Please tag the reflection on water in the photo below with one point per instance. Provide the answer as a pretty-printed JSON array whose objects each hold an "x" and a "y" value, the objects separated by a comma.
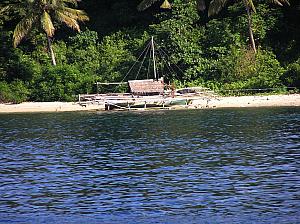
[{"x": 210, "y": 166}]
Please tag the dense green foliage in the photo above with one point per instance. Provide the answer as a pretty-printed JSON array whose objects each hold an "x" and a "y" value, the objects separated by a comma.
[{"x": 208, "y": 51}]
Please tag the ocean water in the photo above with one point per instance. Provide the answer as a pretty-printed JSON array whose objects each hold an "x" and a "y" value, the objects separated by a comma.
[{"x": 187, "y": 166}]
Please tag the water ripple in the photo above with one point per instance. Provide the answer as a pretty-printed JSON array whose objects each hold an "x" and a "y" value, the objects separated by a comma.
[{"x": 215, "y": 166}]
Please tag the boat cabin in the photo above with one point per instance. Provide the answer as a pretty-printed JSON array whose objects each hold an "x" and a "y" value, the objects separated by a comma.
[{"x": 146, "y": 87}]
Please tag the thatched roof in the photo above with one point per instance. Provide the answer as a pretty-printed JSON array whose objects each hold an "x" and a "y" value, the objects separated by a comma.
[{"x": 146, "y": 86}]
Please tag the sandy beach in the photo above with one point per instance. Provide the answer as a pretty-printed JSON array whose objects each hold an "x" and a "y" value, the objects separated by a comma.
[
  {"x": 200, "y": 103},
  {"x": 248, "y": 101},
  {"x": 47, "y": 107}
]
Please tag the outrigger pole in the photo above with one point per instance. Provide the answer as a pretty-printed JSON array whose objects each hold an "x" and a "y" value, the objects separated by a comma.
[{"x": 153, "y": 55}]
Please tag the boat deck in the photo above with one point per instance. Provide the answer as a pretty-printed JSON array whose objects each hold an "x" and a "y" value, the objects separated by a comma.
[{"x": 127, "y": 101}]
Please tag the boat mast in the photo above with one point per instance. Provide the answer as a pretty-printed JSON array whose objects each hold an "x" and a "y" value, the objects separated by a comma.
[{"x": 153, "y": 55}]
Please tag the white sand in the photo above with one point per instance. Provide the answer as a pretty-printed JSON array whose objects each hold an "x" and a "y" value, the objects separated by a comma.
[
  {"x": 217, "y": 102},
  {"x": 47, "y": 107},
  {"x": 248, "y": 101}
]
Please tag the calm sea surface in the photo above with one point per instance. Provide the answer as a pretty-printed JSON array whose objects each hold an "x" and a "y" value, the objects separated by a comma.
[{"x": 199, "y": 166}]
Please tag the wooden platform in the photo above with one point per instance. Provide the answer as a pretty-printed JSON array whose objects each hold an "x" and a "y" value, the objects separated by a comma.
[{"x": 128, "y": 101}]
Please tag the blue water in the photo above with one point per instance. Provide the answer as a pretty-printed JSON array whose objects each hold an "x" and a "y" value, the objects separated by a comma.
[{"x": 194, "y": 166}]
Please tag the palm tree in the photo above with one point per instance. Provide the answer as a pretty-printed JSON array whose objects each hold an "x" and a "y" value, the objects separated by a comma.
[
  {"x": 216, "y": 6},
  {"x": 41, "y": 14}
]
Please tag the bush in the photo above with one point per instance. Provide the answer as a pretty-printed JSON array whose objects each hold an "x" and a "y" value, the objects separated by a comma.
[
  {"x": 291, "y": 77},
  {"x": 242, "y": 69},
  {"x": 82, "y": 51},
  {"x": 5, "y": 93},
  {"x": 15, "y": 92},
  {"x": 115, "y": 58},
  {"x": 61, "y": 83}
]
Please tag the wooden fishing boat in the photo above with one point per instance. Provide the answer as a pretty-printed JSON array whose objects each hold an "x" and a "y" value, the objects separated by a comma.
[{"x": 144, "y": 93}]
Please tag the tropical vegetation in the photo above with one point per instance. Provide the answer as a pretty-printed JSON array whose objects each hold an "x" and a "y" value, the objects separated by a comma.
[{"x": 225, "y": 45}]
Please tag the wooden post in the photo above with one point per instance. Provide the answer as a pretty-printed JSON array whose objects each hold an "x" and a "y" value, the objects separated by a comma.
[
  {"x": 106, "y": 106},
  {"x": 173, "y": 89},
  {"x": 51, "y": 50},
  {"x": 153, "y": 55}
]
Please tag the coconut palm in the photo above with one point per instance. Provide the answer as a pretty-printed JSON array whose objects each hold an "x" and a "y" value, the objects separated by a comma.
[
  {"x": 41, "y": 14},
  {"x": 216, "y": 6}
]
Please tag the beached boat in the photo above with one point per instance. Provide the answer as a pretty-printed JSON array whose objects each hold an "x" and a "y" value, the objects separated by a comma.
[{"x": 144, "y": 93}]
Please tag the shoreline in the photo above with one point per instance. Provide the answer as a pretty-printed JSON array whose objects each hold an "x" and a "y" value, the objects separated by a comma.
[
  {"x": 290, "y": 100},
  {"x": 36, "y": 107}
]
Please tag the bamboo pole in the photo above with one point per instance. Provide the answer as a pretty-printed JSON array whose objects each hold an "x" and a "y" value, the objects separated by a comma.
[{"x": 153, "y": 55}]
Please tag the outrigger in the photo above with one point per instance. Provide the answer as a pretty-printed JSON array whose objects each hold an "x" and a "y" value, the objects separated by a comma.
[{"x": 145, "y": 93}]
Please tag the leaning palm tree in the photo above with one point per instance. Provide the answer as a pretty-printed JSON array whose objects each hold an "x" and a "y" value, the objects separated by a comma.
[
  {"x": 41, "y": 14},
  {"x": 216, "y": 6}
]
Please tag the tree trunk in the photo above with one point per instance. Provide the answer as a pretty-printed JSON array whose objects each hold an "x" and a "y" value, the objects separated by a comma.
[
  {"x": 51, "y": 50},
  {"x": 250, "y": 27},
  {"x": 201, "y": 5}
]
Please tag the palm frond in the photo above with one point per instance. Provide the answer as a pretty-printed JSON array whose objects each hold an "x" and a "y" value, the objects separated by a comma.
[
  {"x": 47, "y": 24},
  {"x": 75, "y": 14},
  {"x": 145, "y": 4},
  {"x": 23, "y": 28},
  {"x": 10, "y": 8},
  {"x": 70, "y": 22},
  {"x": 280, "y": 2},
  {"x": 5, "y": 9},
  {"x": 42, "y": 12},
  {"x": 215, "y": 6},
  {"x": 72, "y": 2}
]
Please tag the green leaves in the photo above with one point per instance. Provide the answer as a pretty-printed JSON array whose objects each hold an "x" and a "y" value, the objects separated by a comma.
[
  {"x": 61, "y": 83},
  {"x": 83, "y": 51},
  {"x": 212, "y": 52},
  {"x": 291, "y": 77},
  {"x": 41, "y": 14},
  {"x": 14, "y": 92}
]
